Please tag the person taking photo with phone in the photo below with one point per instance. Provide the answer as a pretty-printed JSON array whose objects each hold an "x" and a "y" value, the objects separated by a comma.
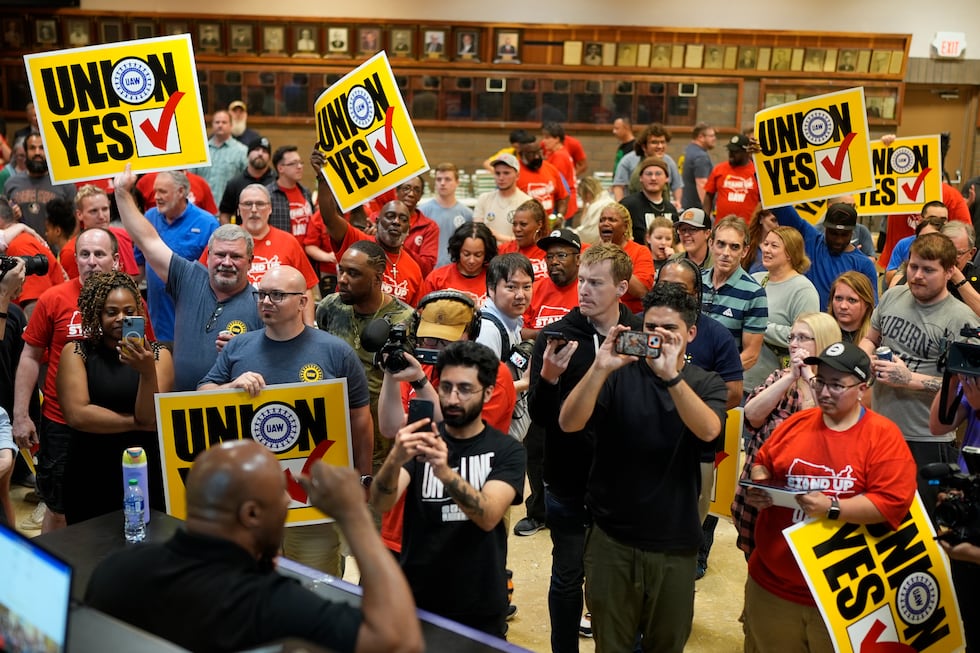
[{"x": 106, "y": 383}]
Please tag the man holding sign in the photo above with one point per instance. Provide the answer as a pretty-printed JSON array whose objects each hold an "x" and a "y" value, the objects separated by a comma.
[{"x": 855, "y": 467}]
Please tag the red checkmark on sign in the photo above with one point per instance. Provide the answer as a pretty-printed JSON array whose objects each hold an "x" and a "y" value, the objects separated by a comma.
[
  {"x": 386, "y": 146},
  {"x": 295, "y": 490},
  {"x": 870, "y": 643},
  {"x": 912, "y": 191},
  {"x": 835, "y": 168},
  {"x": 158, "y": 134}
]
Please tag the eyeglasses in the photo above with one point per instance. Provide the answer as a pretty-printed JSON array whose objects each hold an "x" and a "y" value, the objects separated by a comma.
[
  {"x": 819, "y": 384},
  {"x": 558, "y": 256},
  {"x": 292, "y": 163},
  {"x": 275, "y": 296},
  {"x": 406, "y": 189},
  {"x": 253, "y": 205},
  {"x": 961, "y": 252},
  {"x": 799, "y": 337},
  {"x": 214, "y": 318},
  {"x": 464, "y": 390}
]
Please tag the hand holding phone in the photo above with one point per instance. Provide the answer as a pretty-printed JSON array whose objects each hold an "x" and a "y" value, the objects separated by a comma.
[
  {"x": 638, "y": 343},
  {"x": 421, "y": 409},
  {"x": 134, "y": 329}
]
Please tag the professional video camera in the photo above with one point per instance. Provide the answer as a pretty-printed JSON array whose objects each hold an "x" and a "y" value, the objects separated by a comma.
[
  {"x": 389, "y": 343},
  {"x": 964, "y": 357},
  {"x": 33, "y": 265},
  {"x": 957, "y": 517}
]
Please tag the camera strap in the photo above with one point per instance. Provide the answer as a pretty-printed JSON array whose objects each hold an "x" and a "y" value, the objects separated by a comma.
[{"x": 948, "y": 414}]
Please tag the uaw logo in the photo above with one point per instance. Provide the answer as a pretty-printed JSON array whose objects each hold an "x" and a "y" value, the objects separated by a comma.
[
  {"x": 275, "y": 426},
  {"x": 236, "y": 327},
  {"x": 310, "y": 373}
]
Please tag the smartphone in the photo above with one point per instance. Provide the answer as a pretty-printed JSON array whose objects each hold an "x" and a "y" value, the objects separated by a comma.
[
  {"x": 134, "y": 328},
  {"x": 558, "y": 336},
  {"x": 419, "y": 409},
  {"x": 638, "y": 343}
]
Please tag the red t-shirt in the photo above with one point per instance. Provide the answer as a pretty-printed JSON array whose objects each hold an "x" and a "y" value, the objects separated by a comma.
[
  {"x": 497, "y": 412},
  {"x": 126, "y": 259},
  {"x": 549, "y": 303},
  {"x": 543, "y": 185},
  {"x": 902, "y": 225},
  {"x": 300, "y": 211},
  {"x": 423, "y": 242},
  {"x": 55, "y": 321},
  {"x": 564, "y": 164},
  {"x": 870, "y": 458},
  {"x": 534, "y": 254},
  {"x": 200, "y": 195},
  {"x": 317, "y": 235},
  {"x": 735, "y": 188},
  {"x": 575, "y": 149},
  {"x": 276, "y": 249},
  {"x": 448, "y": 277},
  {"x": 643, "y": 269},
  {"x": 34, "y": 285},
  {"x": 402, "y": 276}
]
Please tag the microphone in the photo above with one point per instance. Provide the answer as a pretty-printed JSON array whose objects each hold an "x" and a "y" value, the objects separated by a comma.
[{"x": 375, "y": 334}]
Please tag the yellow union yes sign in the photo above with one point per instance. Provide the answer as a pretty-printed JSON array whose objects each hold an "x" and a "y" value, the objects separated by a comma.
[
  {"x": 298, "y": 422},
  {"x": 366, "y": 134},
  {"x": 726, "y": 465},
  {"x": 874, "y": 585},
  {"x": 908, "y": 173},
  {"x": 103, "y": 106},
  {"x": 813, "y": 149}
]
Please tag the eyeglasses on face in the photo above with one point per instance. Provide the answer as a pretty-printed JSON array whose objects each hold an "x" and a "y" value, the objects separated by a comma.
[
  {"x": 819, "y": 384},
  {"x": 253, "y": 205},
  {"x": 800, "y": 338},
  {"x": 464, "y": 390},
  {"x": 275, "y": 296}
]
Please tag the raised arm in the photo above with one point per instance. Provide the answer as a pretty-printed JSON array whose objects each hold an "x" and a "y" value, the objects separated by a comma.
[
  {"x": 335, "y": 223},
  {"x": 157, "y": 253},
  {"x": 390, "y": 622}
]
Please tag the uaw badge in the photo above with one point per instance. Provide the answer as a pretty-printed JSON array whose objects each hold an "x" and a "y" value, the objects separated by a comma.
[{"x": 275, "y": 426}]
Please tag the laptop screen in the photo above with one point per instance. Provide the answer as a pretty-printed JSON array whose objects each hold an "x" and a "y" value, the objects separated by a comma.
[{"x": 34, "y": 596}]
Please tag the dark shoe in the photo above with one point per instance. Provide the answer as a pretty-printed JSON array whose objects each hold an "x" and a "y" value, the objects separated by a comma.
[
  {"x": 702, "y": 570},
  {"x": 585, "y": 626},
  {"x": 528, "y": 526},
  {"x": 32, "y": 497},
  {"x": 511, "y": 611}
]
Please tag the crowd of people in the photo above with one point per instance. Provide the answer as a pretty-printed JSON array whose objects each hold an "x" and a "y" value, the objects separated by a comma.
[{"x": 512, "y": 385}]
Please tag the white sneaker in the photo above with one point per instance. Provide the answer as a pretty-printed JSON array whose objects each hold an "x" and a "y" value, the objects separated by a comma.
[{"x": 33, "y": 521}]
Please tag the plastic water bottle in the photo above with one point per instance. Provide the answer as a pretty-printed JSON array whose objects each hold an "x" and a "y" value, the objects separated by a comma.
[
  {"x": 134, "y": 466},
  {"x": 134, "y": 509}
]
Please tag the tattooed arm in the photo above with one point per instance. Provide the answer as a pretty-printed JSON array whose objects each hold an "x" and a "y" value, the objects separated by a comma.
[{"x": 896, "y": 373}]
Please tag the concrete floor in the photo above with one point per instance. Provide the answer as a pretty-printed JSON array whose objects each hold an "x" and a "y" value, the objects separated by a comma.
[{"x": 718, "y": 601}]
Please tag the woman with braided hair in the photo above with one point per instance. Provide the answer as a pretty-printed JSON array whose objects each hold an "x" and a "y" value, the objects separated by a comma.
[{"x": 106, "y": 386}]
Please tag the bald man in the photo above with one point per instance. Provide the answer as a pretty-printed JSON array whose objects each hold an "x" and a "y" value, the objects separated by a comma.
[
  {"x": 236, "y": 509},
  {"x": 288, "y": 351}
]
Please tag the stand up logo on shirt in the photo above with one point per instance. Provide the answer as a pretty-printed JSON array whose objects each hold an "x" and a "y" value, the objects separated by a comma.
[
  {"x": 276, "y": 427},
  {"x": 366, "y": 134},
  {"x": 813, "y": 149},
  {"x": 103, "y": 106}
]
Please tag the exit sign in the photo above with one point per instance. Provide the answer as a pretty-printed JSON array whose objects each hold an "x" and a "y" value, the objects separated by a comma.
[{"x": 949, "y": 44}]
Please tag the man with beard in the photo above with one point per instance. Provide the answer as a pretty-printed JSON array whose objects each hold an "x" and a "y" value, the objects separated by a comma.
[
  {"x": 239, "y": 124},
  {"x": 185, "y": 229},
  {"x": 236, "y": 507},
  {"x": 916, "y": 321},
  {"x": 258, "y": 171},
  {"x": 422, "y": 243},
  {"x": 542, "y": 181},
  {"x": 733, "y": 184},
  {"x": 652, "y": 141},
  {"x": 402, "y": 277},
  {"x": 652, "y": 200},
  {"x": 459, "y": 478},
  {"x": 557, "y": 365},
  {"x": 358, "y": 301},
  {"x": 32, "y": 190},
  {"x": 831, "y": 253},
  {"x": 213, "y": 303},
  {"x": 228, "y": 156},
  {"x": 273, "y": 247}
]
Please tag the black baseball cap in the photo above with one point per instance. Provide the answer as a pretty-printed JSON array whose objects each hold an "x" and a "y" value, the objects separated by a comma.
[
  {"x": 262, "y": 142},
  {"x": 841, "y": 217},
  {"x": 561, "y": 237},
  {"x": 844, "y": 357}
]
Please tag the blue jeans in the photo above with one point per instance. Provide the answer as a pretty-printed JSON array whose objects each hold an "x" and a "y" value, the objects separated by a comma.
[{"x": 567, "y": 520}]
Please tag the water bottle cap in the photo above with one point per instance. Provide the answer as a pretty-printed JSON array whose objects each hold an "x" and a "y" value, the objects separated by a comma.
[{"x": 134, "y": 481}]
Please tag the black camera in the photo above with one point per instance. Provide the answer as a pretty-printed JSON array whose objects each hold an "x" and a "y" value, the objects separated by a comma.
[
  {"x": 391, "y": 356},
  {"x": 33, "y": 265},
  {"x": 957, "y": 516},
  {"x": 964, "y": 357}
]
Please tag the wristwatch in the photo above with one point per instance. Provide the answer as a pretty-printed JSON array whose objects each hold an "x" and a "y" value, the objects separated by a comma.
[
  {"x": 418, "y": 384},
  {"x": 366, "y": 481},
  {"x": 834, "y": 511}
]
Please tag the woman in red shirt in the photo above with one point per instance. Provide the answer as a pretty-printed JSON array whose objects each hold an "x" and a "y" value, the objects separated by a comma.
[
  {"x": 529, "y": 226},
  {"x": 471, "y": 247}
]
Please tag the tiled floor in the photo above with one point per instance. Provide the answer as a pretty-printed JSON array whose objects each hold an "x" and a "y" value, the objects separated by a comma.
[{"x": 718, "y": 601}]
